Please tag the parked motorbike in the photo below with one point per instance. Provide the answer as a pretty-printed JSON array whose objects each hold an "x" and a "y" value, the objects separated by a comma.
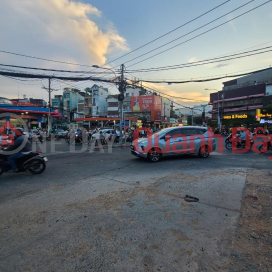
[
  {"x": 32, "y": 162},
  {"x": 240, "y": 144}
]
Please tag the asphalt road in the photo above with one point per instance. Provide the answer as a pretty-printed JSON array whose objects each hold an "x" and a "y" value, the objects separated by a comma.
[{"x": 115, "y": 212}]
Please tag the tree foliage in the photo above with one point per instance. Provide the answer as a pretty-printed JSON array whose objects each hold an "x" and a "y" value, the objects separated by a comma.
[{"x": 197, "y": 120}]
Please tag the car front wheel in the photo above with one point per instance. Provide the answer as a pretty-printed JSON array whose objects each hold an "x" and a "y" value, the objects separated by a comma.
[
  {"x": 154, "y": 156},
  {"x": 203, "y": 153}
]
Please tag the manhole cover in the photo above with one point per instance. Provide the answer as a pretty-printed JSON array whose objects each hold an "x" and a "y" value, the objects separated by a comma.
[{"x": 189, "y": 198}]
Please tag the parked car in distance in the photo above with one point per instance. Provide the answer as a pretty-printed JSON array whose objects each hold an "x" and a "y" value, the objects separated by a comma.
[
  {"x": 178, "y": 145},
  {"x": 61, "y": 132}
]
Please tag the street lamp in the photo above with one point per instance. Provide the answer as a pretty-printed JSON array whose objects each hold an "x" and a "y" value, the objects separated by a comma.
[
  {"x": 218, "y": 117},
  {"x": 96, "y": 66}
]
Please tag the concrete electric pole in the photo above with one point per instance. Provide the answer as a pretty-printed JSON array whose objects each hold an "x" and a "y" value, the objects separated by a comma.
[
  {"x": 49, "y": 104},
  {"x": 121, "y": 96}
]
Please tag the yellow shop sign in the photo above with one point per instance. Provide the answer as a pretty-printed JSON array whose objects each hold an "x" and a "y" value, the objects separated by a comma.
[{"x": 235, "y": 116}]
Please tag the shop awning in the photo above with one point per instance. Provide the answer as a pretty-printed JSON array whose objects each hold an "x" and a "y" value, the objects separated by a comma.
[{"x": 94, "y": 119}]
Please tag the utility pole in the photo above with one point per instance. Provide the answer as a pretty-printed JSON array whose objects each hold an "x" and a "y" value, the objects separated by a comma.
[
  {"x": 164, "y": 114},
  {"x": 121, "y": 96},
  {"x": 222, "y": 111},
  {"x": 192, "y": 116},
  {"x": 219, "y": 121},
  {"x": 49, "y": 104},
  {"x": 49, "y": 114}
]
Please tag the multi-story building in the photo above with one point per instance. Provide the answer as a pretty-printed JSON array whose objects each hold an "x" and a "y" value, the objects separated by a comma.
[
  {"x": 132, "y": 91},
  {"x": 165, "y": 110},
  {"x": 113, "y": 106},
  {"x": 244, "y": 101},
  {"x": 88, "y": 105},
  {"x": 70, "y": 103},
  {"x": 57, "y": 103},
  {"x": 99, "y": 101}
]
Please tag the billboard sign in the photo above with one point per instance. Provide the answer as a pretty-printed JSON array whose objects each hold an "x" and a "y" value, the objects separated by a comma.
[{"x": 147, "y": 103}]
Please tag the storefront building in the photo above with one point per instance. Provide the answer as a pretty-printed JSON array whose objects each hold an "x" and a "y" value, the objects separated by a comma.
[
  {"x": 33, "y": 116},
  {"x": 245, "y": 104}
]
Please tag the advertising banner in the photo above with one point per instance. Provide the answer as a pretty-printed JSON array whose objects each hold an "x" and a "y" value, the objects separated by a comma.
[{"x": 147, "y": 103}]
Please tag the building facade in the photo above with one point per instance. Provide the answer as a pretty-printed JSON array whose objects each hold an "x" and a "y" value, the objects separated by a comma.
[
  {"x": 70, "y": 103},
  {"x": 34, "y": 116},
  {"x": 113, "y": 106},
  {"x": 99, "y": 101},
  {"x": 244, "y": 101}
]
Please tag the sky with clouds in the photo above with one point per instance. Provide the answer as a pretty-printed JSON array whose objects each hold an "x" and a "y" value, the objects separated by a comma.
[{"x": 94, "y": 32}]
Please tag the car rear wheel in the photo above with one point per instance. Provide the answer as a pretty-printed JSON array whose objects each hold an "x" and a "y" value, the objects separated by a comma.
[
  {"x": 154, "y": 156},
  {"x": 203, "y": 153}
]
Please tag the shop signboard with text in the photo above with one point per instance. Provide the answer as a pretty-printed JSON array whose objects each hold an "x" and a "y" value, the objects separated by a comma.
[
  {"x": 235, "y": 116},
  {"x": 264, "y": 114}
]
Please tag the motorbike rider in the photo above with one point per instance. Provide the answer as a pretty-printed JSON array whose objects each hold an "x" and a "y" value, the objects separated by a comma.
[
  {"x": 117, "y": 135},
  {"x": 79, "y": 133},
  {"x": 243, "y": 136},
  {"x": 39, "y": 135},
  {"x": 18, "y": 140}
]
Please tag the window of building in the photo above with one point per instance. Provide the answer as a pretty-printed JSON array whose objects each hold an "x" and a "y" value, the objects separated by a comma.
[{"x": 256, "y": 100}]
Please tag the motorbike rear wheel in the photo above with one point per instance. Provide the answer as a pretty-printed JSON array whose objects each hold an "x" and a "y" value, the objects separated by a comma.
[
  {"x": 36, "y": 166},
  {"x": 229, "y": 145}
]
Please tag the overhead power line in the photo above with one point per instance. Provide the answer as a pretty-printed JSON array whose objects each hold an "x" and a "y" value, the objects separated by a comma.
[
  {"x": 234, "y": 18},
  {"x": 168, "y": 97},
  {"x": 201, "y": 62},
  {"x": 146, "y": 86},
  {"x": 244, "y": 70},
  {"x": 136, "y": 49},
  {"x": 53, "y": 70},
  {"x": 32, "y": 57},
  {"x": 203, "y": 80},
  {"x": 178, "y": 97},
  {"x": 24, "y": 75}
]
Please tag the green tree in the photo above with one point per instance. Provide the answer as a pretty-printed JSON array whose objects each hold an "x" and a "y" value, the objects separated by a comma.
[
  {"x": 269, "y": 106},
  {"x": 197, "y": 120}
]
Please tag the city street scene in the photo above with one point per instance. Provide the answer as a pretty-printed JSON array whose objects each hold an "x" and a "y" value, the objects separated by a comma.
[{"x": 129, "y": 142}]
